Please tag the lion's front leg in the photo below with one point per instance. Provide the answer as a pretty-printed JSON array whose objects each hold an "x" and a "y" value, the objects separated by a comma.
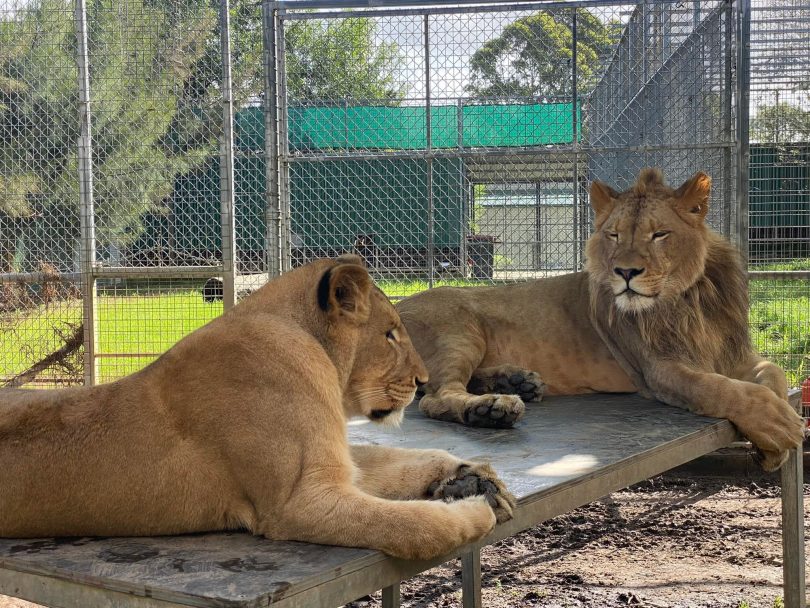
[
  {"x": 453, "y": 403},
  {"x": 768, "y": 420},
  {"x": 406, "y": 474},
  {"x": 764, "y": 372}
]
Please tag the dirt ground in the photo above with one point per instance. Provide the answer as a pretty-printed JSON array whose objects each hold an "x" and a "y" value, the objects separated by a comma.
[{"x": 675, "y": 541}]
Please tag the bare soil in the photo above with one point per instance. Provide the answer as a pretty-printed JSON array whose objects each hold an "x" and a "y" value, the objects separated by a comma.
[{"x": 674, "y": 541}]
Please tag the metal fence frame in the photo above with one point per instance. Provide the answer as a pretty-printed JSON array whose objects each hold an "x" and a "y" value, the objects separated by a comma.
[
  {"x": 277, "y": 212},
  {"x": 90, "y": 270},
  {"x": 279, "y": 12}
]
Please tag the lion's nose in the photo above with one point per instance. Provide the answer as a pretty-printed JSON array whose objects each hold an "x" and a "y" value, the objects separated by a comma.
[{"x": 628, "y": 273}]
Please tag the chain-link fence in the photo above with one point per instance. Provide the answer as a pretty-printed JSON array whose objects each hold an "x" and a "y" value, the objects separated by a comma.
[
  {"x": 159, "y": 159},
  {"x": 460, "y": 142},
  {"x": 779, "y": 217}
]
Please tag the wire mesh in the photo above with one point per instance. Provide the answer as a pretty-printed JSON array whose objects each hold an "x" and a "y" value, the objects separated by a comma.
[
  {"x": 779, "y": 207},
  {"x": 446, "y": 145},
  {"x": 40, "y": 307},
  {"x": 460, "y": 147},
  {"x": 110, "y": 129}
]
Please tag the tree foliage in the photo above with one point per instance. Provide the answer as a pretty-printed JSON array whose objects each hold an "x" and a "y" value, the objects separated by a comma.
[
  {"x": 781, "y": 123},
  {"x": 155, "y": 73},
  {"x": 325, "y": 60},
  {"x": 532, "y": 56},
  {"x": 144, "y": 130},
  {"x": 340, "y": 60}
]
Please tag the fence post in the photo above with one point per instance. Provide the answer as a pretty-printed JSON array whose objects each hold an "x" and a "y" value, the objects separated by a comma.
[
  {"x": 87, "y": 240},
  {"x": 728, "y": 129},
  {"x": 429, "y": 150},
  {"x": 743, "y": 151},
  {"x": 226, "y": 178},
  {"x": 283, "y": 147},
  {"x": 464, "y": 216},
  {"x": 272, "y": 211},
  {"x": 574, "y": 143}
]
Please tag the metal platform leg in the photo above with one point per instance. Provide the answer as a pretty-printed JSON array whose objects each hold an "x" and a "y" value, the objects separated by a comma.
[
  {"x": 390, "y": 596},
  {"x": 471, "y": 579},
  {"x": 793, "y": 531}
]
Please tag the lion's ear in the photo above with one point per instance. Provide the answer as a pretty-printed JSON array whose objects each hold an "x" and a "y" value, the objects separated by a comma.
[
  {"x": 692, "y": 198},
  {"x": 344, "y": 292},
  {"x": 351, "y": 258},
  {"x": 603, "y": 198}
]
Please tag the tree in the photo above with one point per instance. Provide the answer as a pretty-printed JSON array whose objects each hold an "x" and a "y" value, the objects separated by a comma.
[
  {"x": 325, "y": 60},
  {"x": 155, "y": 86},
  {"x": 781, "y": 123},
  {"x": 139, "y": 114},
  {"x": 532, "y": 56},
  {"x": 340, "y": 60}
]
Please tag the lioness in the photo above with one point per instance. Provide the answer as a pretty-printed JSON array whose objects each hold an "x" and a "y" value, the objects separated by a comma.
[
  {"x": 242, "y": 424},
  {"x": 661, "y": 309}
]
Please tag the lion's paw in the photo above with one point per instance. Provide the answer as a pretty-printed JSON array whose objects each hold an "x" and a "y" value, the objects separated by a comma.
[
  {"x": 494, "y": 411},
  {"x": 527, "y": 385},
  {"x": 476, "y": 479},
  {"x": 769, "y": 460},
  {"x": 511, "y": 381},
  {"x": 773, "y": 426}
]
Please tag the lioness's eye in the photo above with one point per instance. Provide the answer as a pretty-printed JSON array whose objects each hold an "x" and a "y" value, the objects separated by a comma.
[
  {"x": 390, "y": 335},
  {"x": 661, "y": 234}
]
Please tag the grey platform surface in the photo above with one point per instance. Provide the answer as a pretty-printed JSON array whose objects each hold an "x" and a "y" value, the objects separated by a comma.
[{"x": 565, "y": 452}]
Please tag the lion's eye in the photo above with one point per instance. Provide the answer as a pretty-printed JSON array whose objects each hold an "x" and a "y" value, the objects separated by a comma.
[
  {"x": 613, "y": 236},
  {"x": 391, "y": 335},
  {"x": 661, "y": 234}
]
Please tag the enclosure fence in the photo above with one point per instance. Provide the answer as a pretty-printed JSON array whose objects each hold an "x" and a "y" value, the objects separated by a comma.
[{"x": 160, "y": 160}]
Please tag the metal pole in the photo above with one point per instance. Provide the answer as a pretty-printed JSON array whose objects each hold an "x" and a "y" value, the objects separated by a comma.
[
  {"x": 743, "y": 152},
  {"x": 471, "y": 579},
  {"x": 391, "y": 596},
  {"x": 793, "y": 574},
  {"x": 284, "y": 148},
  {"x": 464, "y": 222},
  {"x": 272, "y": 211},
  {"x": 574, "y": 142},
  {"x": 87, "y": 213},
  {"x": 728, "y": 132},
  {"x": 644, "y": 122},
  {"x": 226, "y": 179},
  {"x": 429, "y": 161}
]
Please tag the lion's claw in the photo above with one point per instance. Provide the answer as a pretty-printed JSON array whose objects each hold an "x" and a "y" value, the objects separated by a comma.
[{"x": 476, "y": 480}]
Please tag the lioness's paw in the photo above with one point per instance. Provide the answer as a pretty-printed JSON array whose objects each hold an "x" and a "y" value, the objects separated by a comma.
[
  {"x": 476, "y": 479},
  {"x": 494, "y": 411}
]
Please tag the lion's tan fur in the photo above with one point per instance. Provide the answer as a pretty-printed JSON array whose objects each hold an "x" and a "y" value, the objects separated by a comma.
[
  {"x": 242, "y": 424},
  {"x": 676, "y": 329}
]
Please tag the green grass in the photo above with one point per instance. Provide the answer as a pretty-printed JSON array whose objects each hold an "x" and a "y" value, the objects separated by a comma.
[
  {"x": 400, "y": 288},
  {"x": 137, "y": 322},
  {"x": 802, "y": 264},
  {"x": 134, "y": 325},
  {"x": 779, "y": 318}
]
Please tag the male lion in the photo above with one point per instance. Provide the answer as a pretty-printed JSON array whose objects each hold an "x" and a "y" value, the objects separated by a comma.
[
  {"x": 661, "y": 309},
  {"x": 242, "y": 424}
]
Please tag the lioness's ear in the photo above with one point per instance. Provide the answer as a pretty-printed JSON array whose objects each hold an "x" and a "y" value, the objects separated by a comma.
[
  {"x": 692, "y": 197},
  {"x": 603, "y": 197},
  {"x": 343, "y": 293}
]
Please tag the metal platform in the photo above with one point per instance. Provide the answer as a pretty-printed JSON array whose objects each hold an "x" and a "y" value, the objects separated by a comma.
[{"x": 564, "y": 453}]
